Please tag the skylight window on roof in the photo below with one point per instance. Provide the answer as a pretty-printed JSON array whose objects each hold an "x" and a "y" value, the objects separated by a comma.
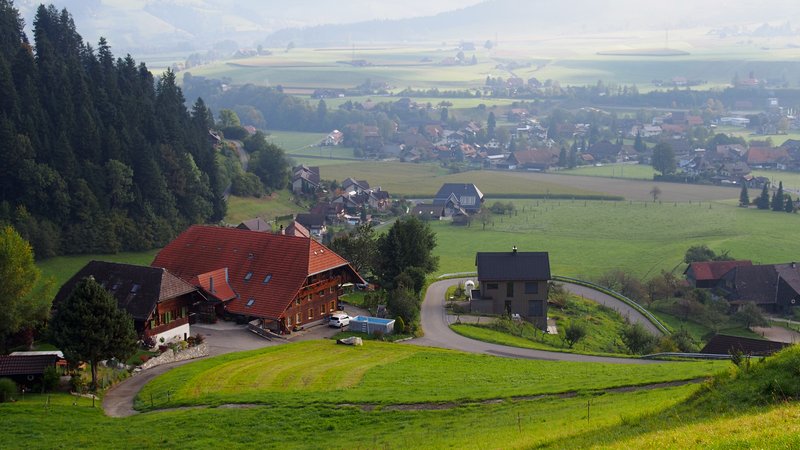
[
  {"x": 250, "y": 302},
  {"x": 135, "y": 288},
  {"x": 248, "y": 276},
  {"x": 267, "y": 278}
]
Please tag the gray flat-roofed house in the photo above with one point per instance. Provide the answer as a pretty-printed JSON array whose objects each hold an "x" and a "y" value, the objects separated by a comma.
[{"x": 513, "y": 283}]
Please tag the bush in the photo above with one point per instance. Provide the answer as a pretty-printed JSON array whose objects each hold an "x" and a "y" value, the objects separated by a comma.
[
  {"x": 199, "y": 339},
  {"x": 50, "y": 379},
  {"x": 638, "y": 340},
  {"x": 8, "y": 390},
  {"x": 76, "y": 383},
  {"x": 399, "y": 325},
  {"x": 573, "y": 333}
]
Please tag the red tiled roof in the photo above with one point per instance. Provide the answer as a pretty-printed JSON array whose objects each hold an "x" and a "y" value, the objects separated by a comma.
[
  {"x": 714, "y": 270},
  {"x": 268, "y": 269},
  {"x": 761, "y": 155},
  {"x": 220, "y": 290}
]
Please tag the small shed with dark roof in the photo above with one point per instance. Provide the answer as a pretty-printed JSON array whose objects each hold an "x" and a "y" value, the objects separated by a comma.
[
  {"x": 26, "y": 370},
  {"x": 513, "y": 283},
  {"x": 707, "y": 274}
]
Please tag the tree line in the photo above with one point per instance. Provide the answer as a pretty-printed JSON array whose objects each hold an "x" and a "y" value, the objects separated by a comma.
[{"x": 98, "y": 155}]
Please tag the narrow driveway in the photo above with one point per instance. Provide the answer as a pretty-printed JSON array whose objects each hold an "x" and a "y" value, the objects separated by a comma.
[{"x": 439, "y": 334}]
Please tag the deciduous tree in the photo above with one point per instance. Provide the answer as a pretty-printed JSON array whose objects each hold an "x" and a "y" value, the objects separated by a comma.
[
  {"x": 21, "y": 303},
  {"x": 408, "y": 243},
  {"x": 664, "y": 159}
]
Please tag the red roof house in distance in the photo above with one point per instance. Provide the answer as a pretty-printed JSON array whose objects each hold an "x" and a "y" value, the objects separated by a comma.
[
  {"x": 284, "y": 281},
  {"x": 707, "y": 274}
]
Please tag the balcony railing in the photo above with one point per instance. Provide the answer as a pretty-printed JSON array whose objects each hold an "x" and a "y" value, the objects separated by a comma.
[{"x": 167, "y": 326}]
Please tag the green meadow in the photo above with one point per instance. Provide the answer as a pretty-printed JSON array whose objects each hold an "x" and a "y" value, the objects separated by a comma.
[
  {"x": 589, "y": 238},
  {"x": 413, "y": 397}
]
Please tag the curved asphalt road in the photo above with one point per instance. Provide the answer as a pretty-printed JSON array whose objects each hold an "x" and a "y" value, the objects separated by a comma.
[{"x": 439, "y": 334}]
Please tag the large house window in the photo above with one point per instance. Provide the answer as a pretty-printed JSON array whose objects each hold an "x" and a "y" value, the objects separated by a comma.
[
  {"x": 297, "y": 318},
  {"x": 535, "y": 308},
  {"x": 491, "y": 286},
  {"x": 531, "y": 287},
  {"x": 310, "y": 313},
  {"x": 332, "y": 306},
  {"x": 510, "y": 289}
]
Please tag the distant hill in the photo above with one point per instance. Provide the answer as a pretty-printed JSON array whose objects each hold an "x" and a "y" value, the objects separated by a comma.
[
  {"x": 155, "y": 26},
  {"x": 534, "y": 18}
]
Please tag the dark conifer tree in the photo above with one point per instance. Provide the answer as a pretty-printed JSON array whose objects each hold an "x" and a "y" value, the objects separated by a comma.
[{"x": 777, "y": 200}]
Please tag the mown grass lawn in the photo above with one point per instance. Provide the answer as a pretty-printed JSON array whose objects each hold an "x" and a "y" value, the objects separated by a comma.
[
  {"x": 628, "y": 171},
  {"x": 384, "y": 373}
]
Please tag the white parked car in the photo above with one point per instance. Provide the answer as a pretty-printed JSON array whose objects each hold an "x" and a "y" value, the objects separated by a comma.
[{"x": 339, "y": 320}]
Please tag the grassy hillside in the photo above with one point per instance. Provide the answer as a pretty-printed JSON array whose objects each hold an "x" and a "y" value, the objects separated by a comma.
[
  {"x": 380, "y": 373},
  {"x": 297, "y": 416}
]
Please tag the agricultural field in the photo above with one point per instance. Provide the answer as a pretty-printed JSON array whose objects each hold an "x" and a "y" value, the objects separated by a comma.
[
  {"x": 588, "y": 238},
  {"x": 566, "y": 60},
  {"x": 422, "y": 181},
  {"x": 627, "y": 171}
]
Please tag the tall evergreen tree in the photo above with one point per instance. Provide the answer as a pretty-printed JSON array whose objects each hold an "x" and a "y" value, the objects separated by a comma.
[
  {"x": 778, "y": 204},
  {"x": 562, "y": 157},
  {"x": 491, "y": 124},
  {"x": 744, "y": 196},
  {"x": 763, "y": 199},
  {"x": 88, "y": 326},
  {"x": 789, "y": 206}
]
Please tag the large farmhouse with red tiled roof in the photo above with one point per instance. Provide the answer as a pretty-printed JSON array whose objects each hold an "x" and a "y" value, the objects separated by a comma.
[{"x": 285, "y": 281}]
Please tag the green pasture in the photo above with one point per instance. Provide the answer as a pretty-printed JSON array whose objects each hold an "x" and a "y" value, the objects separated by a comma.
[
  {"x": 41, "y": 421},
  {"x": 62, "y": 268},
  {"x": 293, "y": 141},
  {"x": 628, "y": 171},
  {"x": 424, "y": 180},
  {"x": 791, "y": 181},
  {"x": 321, "y": 372},
  {"x": 588, "y": 238},
  {"x": 280, "y": 203},
  {"x": 457, "y": 103}
]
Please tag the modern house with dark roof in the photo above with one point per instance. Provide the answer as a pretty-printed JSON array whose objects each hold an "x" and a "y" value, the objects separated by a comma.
[
  {"x": 283, "y": 281},
  {"x": 513, "y": 283},
  {"x": 707, "y": 274},
  {"x": 158, "y": 301},
  {"x": 459, "y": 197}
]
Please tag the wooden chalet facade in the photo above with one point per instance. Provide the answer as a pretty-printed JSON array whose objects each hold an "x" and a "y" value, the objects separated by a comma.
[
  {"x": 159, "y": 302},
  {"x": 282, "y": 281}
]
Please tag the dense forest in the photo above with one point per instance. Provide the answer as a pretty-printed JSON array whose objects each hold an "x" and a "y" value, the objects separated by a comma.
[{"x": 97, "y": 154}]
